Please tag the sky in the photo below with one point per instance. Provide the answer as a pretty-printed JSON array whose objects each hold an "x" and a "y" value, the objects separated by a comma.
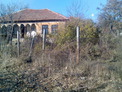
[{"x": 89, "y": 7}]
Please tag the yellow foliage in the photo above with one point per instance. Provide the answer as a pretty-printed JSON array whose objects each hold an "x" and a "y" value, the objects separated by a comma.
[{"x": 87, "y": 30}]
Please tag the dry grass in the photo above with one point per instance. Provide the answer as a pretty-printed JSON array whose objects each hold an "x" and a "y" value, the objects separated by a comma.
[{"x": 56, "y": 70}]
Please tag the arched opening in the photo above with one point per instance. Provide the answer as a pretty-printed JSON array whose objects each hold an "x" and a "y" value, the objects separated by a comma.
[
  {"x": 9, "y": 33},
  {"x": 23, "y": 31},
  {"x": 15, "y": 29},
  {"x": 33, "y": 27},
  {"x": 28, "y": 28},
  {"x": 9, "y": 29},
  {"x": 3, "y": 32}
]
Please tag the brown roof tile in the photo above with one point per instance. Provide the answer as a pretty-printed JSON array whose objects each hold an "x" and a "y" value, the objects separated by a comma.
[{"x": 37, "y": 15}]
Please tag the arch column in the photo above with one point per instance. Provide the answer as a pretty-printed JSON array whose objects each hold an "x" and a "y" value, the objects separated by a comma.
[{"x": 9, "y": 33}]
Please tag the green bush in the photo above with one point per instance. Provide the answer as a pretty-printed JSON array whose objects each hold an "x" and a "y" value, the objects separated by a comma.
[{"x": 88, "y": 31}]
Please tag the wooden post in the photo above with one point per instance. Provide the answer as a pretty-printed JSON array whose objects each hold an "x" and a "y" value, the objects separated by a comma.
[
  {"x": 78, "y": 44},
  {"x": 44, "y": 39},
  {"x": 32, "y": 42},
  {"x": 18, "y": 43},
  {"x": 32, "y": 36}
]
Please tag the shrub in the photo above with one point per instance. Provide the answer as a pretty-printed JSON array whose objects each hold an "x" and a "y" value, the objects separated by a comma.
[{"x": 88, "y": 31}]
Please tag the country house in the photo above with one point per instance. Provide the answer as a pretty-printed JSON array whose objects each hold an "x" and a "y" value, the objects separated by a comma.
[{"x": 28, "y": 20}]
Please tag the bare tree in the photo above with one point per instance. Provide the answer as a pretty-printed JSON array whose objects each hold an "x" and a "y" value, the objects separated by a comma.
[
  {"x": 7, "y": 16},
  {"x": 76, "y": 9},
  {"x": 76, "y": 12}
]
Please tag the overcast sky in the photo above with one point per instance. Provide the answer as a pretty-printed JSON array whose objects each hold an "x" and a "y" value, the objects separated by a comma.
[{"x": 89, "y": 7}]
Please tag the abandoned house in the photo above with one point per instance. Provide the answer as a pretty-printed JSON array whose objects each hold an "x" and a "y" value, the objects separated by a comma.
[{"x": 28, "y": 20}]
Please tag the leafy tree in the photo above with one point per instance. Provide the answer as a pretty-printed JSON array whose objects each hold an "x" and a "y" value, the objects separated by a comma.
[
  {"x": 88, "y": 31},
  {"x": 111, "y": 16},
  {"x": 87, "y": 27}
]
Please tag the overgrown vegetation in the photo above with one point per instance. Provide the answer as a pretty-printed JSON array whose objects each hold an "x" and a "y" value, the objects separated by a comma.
[
  {"x": 56, "y": 70},
  {"x": 88, "y": 31}
]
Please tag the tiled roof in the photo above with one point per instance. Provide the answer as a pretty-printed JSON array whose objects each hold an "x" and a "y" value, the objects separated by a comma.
[{"x": 37, "y": 15}]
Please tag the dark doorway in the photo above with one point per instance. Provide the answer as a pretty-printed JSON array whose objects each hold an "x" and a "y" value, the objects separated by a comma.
[
  {"x": 23, "y": 31},
  {"x": 28, "y": 28},
  {"x": 45, "y": 27},
  {"x": 33, "y": 27},
  {"x": 9, "y": 33},
  {"x": 3, "y": 33},
  {"x": 15, "y": 29}
]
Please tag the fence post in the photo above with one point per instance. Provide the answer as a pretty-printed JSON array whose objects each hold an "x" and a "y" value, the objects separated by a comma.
[
  {"x": 32, "y": 42},
  {"x": 0, "y": 46},
  {"x": 78, "y": 44},
  {"x": 44, "y": 39}
]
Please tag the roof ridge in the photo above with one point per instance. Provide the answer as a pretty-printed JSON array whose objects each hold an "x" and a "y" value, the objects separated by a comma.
[
  {"x": 21, "y": 10},
  {"x": 35, "y": 9}
]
